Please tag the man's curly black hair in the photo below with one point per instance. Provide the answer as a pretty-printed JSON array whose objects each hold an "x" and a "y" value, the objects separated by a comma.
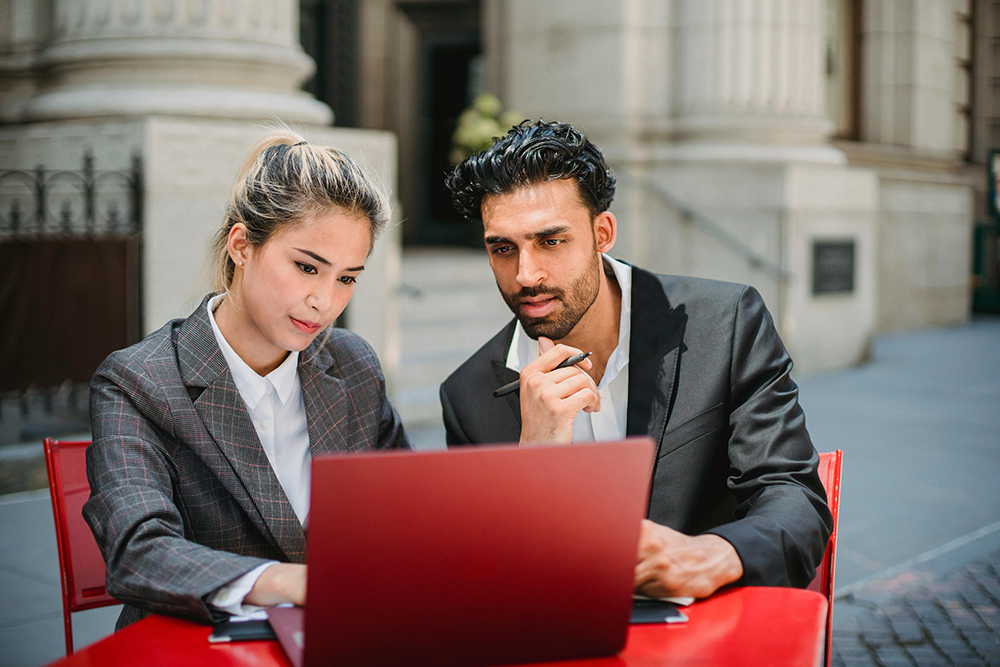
[{"x": 532, "y": 152}]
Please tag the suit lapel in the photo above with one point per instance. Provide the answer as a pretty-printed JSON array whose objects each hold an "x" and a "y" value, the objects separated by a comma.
[
  {"x": 654, "y": 356},
  {"x": 325, "y": 397},
  {"x": 243, "y": 467},
  {"x": 508, "y": 428},
  {"x": 506, "y": 376}
]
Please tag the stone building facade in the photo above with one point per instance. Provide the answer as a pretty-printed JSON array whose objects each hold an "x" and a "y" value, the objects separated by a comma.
[{"x": 829, "y": 152}]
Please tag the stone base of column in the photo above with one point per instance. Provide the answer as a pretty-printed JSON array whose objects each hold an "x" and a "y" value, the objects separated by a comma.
[
  {"x": 108, "y": 101},
  {"x": 757, "y": 223},
  {"x": 189, "y": 167}
]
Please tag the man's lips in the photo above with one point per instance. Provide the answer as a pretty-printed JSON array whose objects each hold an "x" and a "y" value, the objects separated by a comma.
[
  {"x": 537, "y": 306},
  {"x": 305, "y": 326}
]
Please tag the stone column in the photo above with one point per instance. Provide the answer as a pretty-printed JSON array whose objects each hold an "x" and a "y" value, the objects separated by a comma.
[
  {"x": 749, "y": 80},
  {"x": 236, "y": 59},
  {"x": 908, "y": 56}
]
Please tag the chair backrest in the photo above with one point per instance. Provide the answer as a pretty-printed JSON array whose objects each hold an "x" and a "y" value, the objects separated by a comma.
[
  {"x": 81, "y": 565},
  {"x": 829, "y": 473}
]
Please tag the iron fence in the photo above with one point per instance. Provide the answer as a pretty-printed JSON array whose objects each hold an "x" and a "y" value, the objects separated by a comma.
[
  {"x": 58, "y": 229},
  {"x": 89, "y": 202}
]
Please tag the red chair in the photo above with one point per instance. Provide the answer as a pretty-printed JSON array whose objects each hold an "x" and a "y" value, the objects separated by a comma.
[
  {"x": 829, "y": 474},
  {"x": 81, "y": 566}
]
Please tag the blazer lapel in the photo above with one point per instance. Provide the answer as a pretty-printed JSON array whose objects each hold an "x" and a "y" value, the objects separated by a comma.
[
  {"x": 506, "y": 376},
  {"x": 325, "y": 397},
  {"x": 229, "y": 430},
  {"x": 508, "y": 428},
  {"x": 654, "y": 356}
]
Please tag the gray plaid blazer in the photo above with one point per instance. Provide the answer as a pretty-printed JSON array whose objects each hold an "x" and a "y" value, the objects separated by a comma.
[{"x": 183, "y": 498}]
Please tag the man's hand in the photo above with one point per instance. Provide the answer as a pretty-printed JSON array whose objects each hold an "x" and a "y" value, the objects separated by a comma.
[
  {"x": 672, "y": 564},
  {"x": 551, "y": 398},
  {"x": 280, "y": 583}
]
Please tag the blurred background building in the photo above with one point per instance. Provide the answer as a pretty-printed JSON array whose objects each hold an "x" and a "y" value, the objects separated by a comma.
[{"x": 829, "y": 152}]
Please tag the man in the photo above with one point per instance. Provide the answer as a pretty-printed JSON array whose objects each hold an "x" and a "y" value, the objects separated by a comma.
[{"x": 696, "y": 364}]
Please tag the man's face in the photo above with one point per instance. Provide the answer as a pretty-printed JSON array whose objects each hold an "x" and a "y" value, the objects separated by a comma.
[{"x": 544, "y": 255}]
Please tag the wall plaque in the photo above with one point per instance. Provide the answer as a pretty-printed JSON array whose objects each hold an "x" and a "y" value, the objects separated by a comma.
[{"x": 833, "y": 267}]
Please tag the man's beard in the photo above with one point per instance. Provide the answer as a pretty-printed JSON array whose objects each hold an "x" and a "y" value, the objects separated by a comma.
[{"x": 575, "y": 303}]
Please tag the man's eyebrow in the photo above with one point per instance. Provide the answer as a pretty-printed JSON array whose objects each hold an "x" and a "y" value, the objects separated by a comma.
[
  {"x": 316, "y": 257},
  {"x": 549, "y": 231},
  {"x": 533, "y": 236}
]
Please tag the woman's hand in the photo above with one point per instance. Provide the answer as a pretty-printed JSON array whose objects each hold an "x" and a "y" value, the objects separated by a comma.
[{"x": 280, "y": 583}]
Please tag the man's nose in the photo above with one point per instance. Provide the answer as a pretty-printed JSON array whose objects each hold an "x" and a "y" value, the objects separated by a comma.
[{"x": 529, "y": 269}]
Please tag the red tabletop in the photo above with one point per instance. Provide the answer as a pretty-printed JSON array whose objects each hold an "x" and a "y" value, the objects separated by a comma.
[{"x": 742, "y": 626}]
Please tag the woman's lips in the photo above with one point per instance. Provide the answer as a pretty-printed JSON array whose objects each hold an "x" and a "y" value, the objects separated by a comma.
[
  {"x": 305, "y": 327},
  {"x": 537, "y": 307}
]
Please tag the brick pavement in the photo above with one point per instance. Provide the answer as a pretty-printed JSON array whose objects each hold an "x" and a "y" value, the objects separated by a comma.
[{"x": 954, "y": 620}]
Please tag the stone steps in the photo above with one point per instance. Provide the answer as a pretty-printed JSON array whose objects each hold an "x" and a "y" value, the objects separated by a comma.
[{"x": 448, "y": 307}]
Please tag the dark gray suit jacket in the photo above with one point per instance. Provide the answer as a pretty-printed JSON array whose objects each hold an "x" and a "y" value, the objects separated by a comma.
[
  {"x": 183, "y": 498},
  {"x": 709, "y": 381}
]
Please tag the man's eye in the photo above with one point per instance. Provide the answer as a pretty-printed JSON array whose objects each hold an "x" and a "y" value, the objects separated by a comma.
[
  {"x": 306, "y": 268},
  {"x": 501, "y": 250},
  {"x": 348, "y": 280},
  {"x": 552, "y": 242}
]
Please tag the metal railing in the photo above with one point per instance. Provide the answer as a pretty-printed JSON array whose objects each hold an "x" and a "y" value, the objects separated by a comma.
[
  {"x": 711, "y": 227},
  {"x": 88, "y": 202}
]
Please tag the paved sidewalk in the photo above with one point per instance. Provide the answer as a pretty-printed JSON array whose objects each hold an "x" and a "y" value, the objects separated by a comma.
[{"x": 953, "y": 621}]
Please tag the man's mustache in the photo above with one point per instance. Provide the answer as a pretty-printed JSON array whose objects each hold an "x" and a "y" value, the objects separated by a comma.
[{"x": 539, "y": 290}]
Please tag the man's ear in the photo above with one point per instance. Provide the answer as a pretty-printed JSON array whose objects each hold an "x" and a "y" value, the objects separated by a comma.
[{"x": 605, "y": 231}]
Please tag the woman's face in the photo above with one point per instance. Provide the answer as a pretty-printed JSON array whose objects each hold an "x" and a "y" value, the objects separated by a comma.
[{"x": 294, "y": 286}]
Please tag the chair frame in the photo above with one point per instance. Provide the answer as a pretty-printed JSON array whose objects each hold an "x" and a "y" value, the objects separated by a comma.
[
  {"x": 830, "y": 464},
  {"x": 91, "y": 598}
]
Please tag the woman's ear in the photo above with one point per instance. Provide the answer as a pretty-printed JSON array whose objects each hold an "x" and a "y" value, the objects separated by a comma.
[
  {"x": 236, "y": 244},
  {"x": 605, "y": 231}
]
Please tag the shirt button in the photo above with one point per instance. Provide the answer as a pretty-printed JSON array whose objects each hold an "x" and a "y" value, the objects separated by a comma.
[{"x": 264, "y": 425}]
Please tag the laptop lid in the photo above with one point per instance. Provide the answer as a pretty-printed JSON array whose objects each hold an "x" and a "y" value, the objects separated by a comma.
[{"x": 474, "y": 556}]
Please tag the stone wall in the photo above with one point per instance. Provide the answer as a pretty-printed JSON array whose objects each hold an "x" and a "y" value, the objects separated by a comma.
[
  {"x": 189, "y": 166},
  {"x": 925, "y": 242}
]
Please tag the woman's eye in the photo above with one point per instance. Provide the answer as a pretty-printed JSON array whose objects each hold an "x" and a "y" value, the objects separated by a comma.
[
  {"x": 348, "y": 280},
  {"x": 307, "y": 268}
]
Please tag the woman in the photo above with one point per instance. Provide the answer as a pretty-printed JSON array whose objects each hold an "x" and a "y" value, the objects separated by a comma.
[{"x": 204, "y": 431}]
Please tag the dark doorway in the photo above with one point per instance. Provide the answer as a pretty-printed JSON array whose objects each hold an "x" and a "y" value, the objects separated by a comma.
[
  {"x": 450, "y": 76},
  {"x": 328, "y": 30}
]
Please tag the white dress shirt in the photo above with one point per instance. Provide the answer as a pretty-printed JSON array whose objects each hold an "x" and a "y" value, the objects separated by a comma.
[
  {"x": 609, "y": 423},
  {"x": 278, "y": 413}
]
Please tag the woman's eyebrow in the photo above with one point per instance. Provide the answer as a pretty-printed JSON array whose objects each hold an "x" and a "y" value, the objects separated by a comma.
[{"x": 314, "y": 256}]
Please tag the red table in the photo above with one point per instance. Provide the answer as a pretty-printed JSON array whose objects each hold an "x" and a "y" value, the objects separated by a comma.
[{"x": 743, "y": 626}]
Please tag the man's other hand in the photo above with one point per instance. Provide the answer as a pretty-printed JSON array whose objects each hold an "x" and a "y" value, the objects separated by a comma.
[
  {"x": 672, "y": 564},
  {"x": 551, "y": 398}
]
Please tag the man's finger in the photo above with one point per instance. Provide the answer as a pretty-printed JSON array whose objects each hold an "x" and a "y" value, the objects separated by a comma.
[
  {"x": 544, "y": 345},
  {"x": 550, "y": 358}
]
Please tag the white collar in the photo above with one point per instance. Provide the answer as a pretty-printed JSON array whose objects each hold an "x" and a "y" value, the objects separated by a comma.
[
  {"x": 523, "y": 349},
  {"x": 253, "y": 387}
]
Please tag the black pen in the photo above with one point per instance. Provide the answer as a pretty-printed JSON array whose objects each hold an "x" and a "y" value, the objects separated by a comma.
[{"x": 511, "y": 387}]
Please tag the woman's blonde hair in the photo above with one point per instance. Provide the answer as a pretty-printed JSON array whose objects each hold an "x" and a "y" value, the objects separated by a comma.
[{"x": 284, "y": 181}]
